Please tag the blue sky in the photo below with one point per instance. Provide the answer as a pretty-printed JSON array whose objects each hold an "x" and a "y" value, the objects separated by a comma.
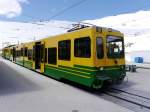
[{"x": 34, "y": 10}]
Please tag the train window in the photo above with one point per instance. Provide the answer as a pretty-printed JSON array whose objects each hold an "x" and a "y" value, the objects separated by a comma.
[
  {"x": 115, "y": 48},
  {"x": 29, "y": 54},
  {"x": 64, "y": 50},
  {"x": 11, "y": 51},
  {"x": 52, "y": 55},
  {"x": 33, "y": 53},
  {"x": 25, "y": 51},
  {"x": 99, "y": 47},
  {"x": 82, "y": 47},
  {"x": 16, "y": 53},
  {"x": 21, "y": 52},
  {"x": 42, "y": 53},
  {"x": 45, "y": 55}
]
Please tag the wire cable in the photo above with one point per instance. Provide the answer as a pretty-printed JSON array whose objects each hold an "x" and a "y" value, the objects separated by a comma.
[{"x": 66, "y": 9}]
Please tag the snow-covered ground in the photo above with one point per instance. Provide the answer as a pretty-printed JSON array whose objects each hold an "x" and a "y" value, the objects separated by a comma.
[{"x": 135, "y": 26}]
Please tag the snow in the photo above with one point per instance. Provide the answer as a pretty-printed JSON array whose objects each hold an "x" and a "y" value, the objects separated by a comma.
[
  {"x": 136, "y": 29},
  {"x": 135, "y": 26},
  {"x": 23, "y": 32},
  {"x": 140, "y": 18}
]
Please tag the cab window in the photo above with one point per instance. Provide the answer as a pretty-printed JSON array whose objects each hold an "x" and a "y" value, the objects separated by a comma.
[
  {"x": 115, "y": 48},
  {"x": 99, "y": 48}
]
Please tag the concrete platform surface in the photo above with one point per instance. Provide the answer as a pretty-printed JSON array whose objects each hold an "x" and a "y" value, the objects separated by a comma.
[
  {"x": 22, "y": 90},
  {"x": 137, "y": 82}
]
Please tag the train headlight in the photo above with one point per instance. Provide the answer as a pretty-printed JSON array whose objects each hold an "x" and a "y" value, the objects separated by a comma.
[
  {"x": 122, "y": 67},
  {"x": 101, "y": 68}
]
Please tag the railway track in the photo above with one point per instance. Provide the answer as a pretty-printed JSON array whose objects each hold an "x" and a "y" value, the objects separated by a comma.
[{"x": 138, "y": 100}]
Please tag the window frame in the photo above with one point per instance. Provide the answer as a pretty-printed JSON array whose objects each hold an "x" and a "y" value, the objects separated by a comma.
[
  {"x": 42, "y": 48},
  {"x": 102, "y": 56},
  {"x": 30, "y": 54},
  {"x": 25, "y": 51},
  {"x": 123, "y": 48},
  {"x": 46, "y": 55},
  {"x": 21, "y": 52},
  {"x": 90, "y": 45},
  {"x": 55, "y": 63},
  {"x": 60, "y": 56}
]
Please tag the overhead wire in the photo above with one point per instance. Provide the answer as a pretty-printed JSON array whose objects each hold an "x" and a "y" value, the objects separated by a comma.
[
  {"x": 59, "y": 13},
  {"x": 68, "y": 8}
]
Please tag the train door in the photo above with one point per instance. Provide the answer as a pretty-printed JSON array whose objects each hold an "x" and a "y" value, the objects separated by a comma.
[
  {"x": 14, "y": 54},
  {"x": 39, "y": 54},
  {"x": 42, "y": 57}
]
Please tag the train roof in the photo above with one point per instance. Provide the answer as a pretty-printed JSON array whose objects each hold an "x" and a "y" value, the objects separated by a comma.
[
  {"x": 82, "y": 28},
  {"x": 76, "y": 28},
  {"x": 9, "y": 46}
]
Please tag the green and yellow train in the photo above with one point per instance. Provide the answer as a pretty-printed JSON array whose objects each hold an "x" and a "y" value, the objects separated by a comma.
[{"x": 89, "y": 56}]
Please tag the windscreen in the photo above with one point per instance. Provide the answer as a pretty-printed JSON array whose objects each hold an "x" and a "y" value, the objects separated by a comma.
[{"x": 115, "y": 47}]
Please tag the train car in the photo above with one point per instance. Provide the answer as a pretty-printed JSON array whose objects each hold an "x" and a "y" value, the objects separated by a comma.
[
  {"x": 7, "y": 52},
  {"x": 19, "y": 58},
  {"x": 28, "y": 55},
  {"x": 89, "y": 56}
]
